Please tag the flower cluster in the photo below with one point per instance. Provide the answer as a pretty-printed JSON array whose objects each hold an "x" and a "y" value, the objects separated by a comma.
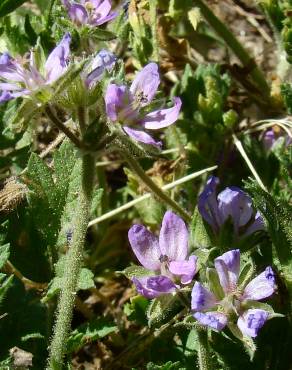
[
  {"x": 231, "y": 203},
  {"x": 20, "y": 78},
  {"x": 272, "y": 137},
  {"x": 169, "y": 266},
  {"x": 219, "y": 309},
  {"x": 89, "y": 12},
  {"x": 167, "y": 257},
  {"x": 127, "y": 106}
]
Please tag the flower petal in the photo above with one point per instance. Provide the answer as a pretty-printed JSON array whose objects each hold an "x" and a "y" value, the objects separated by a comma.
[
  {"x": 114, "y": 99},
  {"x": 56, "y": 63},
  {"x": 214, "y": 320},
  {"x": 145, "y": 246},
  {"x": 173, "y": 237},
  {"x": 100, "y": 21},
  {"x": 162, "y": 117},
  {"x": 261, "y": 287},
  {"x": 251, "y": 321},
  {"x": 202, "y": 298},
  {"x": 5, "y": 96},
  {"x": 257, "y": 225},
  {"x": 235, "y": 203},
  {"x": 142, "y": 137},
  {"x": 146, "y": 83},
  {"x": 102, "y": 13},
  {"x": 185, "y": 269},
  {"x": 208, "y": 205},
  {"x": 78, "y": 14},
  {"x": 227, "y": 267},
  {"x": 154, "y": 286},
  {"x": 104, "y": 60}
]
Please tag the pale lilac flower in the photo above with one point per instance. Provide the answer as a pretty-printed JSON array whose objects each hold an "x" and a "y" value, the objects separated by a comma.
[
  {"x": 89, "y": 12},
  {"x": 127, "y": 106},
  {"x": 104, "y": 61},
  {"x": 232, "y": 203},
  {"x": 19, "y": 79},
  {"x": 166, "y": 256},
  {"x": 271, "y": 138},
  {"x": 215, "y": 312}
]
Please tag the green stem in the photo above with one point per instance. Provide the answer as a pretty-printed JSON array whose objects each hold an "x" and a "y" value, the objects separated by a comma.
[
  {"x": 153, "y": 19},
  {"x": 73, "y": 266},
  {"x": 241, "y": 53},
  {"x": 154, "y": 188},
  {"x": 204, "y": 359},
  {"x": 62, "y": 127}
]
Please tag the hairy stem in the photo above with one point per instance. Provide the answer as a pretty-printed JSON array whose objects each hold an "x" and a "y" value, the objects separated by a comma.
[
  {"x": 154, "y": 188},
  {"x": 241, "y": 53},
  {"x": 62, "y": 127},
  {"x": 73, "y": 266},
  {"x": 204, "y": 359}
]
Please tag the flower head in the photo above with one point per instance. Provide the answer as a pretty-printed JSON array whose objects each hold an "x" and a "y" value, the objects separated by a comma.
[
  {"x": 216, "y": 312},
  {"x": 23, "y": 78},
  {"x": 273, "y": 137},
  {"x": 166, "y": 256},
  {"x": 126, "y": 105},
  {"x": 90, "y": 12},
  {"x": 232, "y": 203}
]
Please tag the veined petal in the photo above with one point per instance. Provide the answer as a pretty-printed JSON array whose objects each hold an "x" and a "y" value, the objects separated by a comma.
[
  {"x": 145, "y": 84},
  {"x": 154, "y": 286},
  {"x": 214, "y": 320},
  {"x": 56, "y": 63},
  {"x": 251, "y": 321},
  {"x": 173, "y": 237},
  {"x": 145, "y": 246},
  {"x": 162, "y": 117},
  {"x": 114, "y": 99},
  {"x": 78, "y": 14},
  {"x": 260, "y": 287},
  {"x": 257, "y": 225},
  {"x": 103, "y": 8},
  {"x": 9, "y": 86},
  {"x": 185, "y": 269},
  {"x": 208, "y": 205},
  {"x": 202, "y": 298},
  {"x": 5, "y": 96},
  {"x": 104, "y": 60},
  {"x": 142, "y": 137},
  {"x": 235, "y": 203},
  {"x": 228, "y": 266},
  {"x": 100, "y": 21}
]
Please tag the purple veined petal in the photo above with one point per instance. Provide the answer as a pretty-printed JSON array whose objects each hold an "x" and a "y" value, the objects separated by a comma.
[
  {"x": 142, "y": 137},
  {"x": 257, "y": 225},
  {"x": 95, "y": 3},
  {"x": 154, "y": 286},
  {"x": 56, "y": 63},
  {"x": 269, "y": 139},
  {"x": 234, "y": 203},
  {"x": 145, "y": 246},
  {"x": 173, "y": 237},
  {"x": 103, "y": 60},
  {"x": 145, "y": 84},
  {"x": 78, "y": 14},
  {"x": 252, "y": 321},
  {"x": 202, "y": 298},
  {"x": 100, "y": 21},
  {"x": 208, "y": 204},
  {"x": 214, "y": 320},
  {"x": 9, "y": 86},
  {"x": 5, "y": 96},
  {"x": 227, "y": 267},
  {"x": 262, "y": 286},
  {"x": 162, "y": 117},
  {"x": 115, "y": 97},
  {"x": 185, "y": 269},
  {"x": 10, "y": 69}
]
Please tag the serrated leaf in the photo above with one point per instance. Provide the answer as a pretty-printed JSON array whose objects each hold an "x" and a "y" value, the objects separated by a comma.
[
  {"x": 5, "y": 285},
  {"x": 136, "y": 310},
  {"x": 4, "y": 254},
  {"x": 89, "y": 332},
  {"x": 194, "y": 16},
  {"x": 162, "y": 309},
  {"x": 85, "y": 279}
]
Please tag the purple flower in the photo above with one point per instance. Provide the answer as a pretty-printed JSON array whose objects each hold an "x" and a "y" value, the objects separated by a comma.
[
  {"x": 103, "y": 61},
  {"x": 231, "y": 203},
  {"x": 166, "y": 256},
  {"x": 272, "y": 137},
  {"x": 89, "y": 12},
  {"x": 127, "y": 106},
  {"x": 235, "y": 298},
  {"x": 23, "y": 78}
]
